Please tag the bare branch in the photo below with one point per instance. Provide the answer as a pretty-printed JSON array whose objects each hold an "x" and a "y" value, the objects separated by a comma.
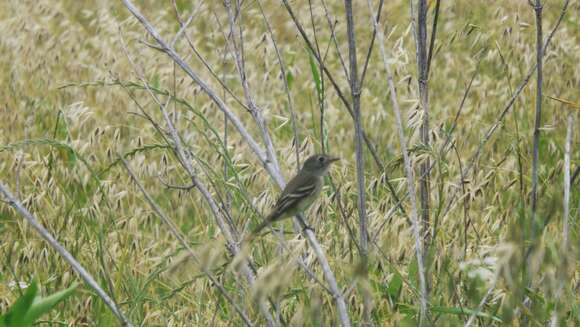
[
  {"x": 408, "y": 171},
  {"x": 270, "y": 167},
  {"x": 422, "y": 68},
  {"x": 183, "y": 158},
  {"x": 489, "y": 133},
  {"x": 360, "y": 174},
  {"x": 433, "y": 34},
  {"x": 83, "y": 273},
  {"x": 332, "y": 26},
  {"x": 538, "y": 115},
  {"x": 286, "y": 86},
  {"x": 371, "y": 46},
  {"x": 251, "y": 104},
  {"x": 205, "y": 87},
  {"x": 175, "y": 232},
  {"x": 337, "y": 89},
  {"x": 567, "y": 171}
]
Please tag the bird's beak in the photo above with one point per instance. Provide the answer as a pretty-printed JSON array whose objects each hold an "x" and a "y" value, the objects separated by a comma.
[{"x": 333, "y": 159}]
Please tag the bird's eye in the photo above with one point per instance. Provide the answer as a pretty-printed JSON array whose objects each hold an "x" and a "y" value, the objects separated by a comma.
[{"x": 321, "y": 159}]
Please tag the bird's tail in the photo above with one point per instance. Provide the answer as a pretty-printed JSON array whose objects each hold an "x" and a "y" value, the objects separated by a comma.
[{"x": 269, "y": 220}]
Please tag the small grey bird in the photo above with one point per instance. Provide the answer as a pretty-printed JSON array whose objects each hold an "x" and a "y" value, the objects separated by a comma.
[{"x": 301, "y": 191}]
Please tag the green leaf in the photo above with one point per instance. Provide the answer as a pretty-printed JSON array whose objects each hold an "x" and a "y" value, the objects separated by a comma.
[
  {"x": 413, "y": 270},
  {"x": 15, "y": 315},
  {"x": 410, "y": 320},
  {"x": 41, "y": 306},
  {"x": 155, "y": 82},
  {"x": 395, "y": 287},
  {"x": 68, "y": 155},
  {"x": 464, "y": 311},
  {"x": 289, "y": 79}
]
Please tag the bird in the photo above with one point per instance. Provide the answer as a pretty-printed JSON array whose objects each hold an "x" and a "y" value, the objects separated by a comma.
[{"x": 300, "y": 192}]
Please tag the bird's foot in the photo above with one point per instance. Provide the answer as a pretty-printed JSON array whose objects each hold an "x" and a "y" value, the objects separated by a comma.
[{"x": 307, "y": 227}]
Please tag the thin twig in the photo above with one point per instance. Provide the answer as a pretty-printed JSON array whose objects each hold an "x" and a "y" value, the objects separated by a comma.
[
  {"x": 360, "y": 174},
  {"x": 321, "y": 91},
  {"x": 466, "y": 219},
  {"x": 433, "y": 35},
  {"x": 566, "y": 213},
  {"x": 371, "y": 45},
  {"x": 270, "y": 167},
  {"x": 332, "y": 80},
  {"x": 83, "y": 273},
  {"x": 174, "y": 231},
  {"x": 408, "y": 172},
  {"x": 489, "y": 133},
  {"x": 567, "y": 171},
  {"x": 334, "y": 38},
  {"x": 286, "y": 87},
  {"x": 538, "y": 115},
  {"x": 183, "y": 158},
  {"x": 256, "y": 111},
  {"x": 422, "y": 68}
]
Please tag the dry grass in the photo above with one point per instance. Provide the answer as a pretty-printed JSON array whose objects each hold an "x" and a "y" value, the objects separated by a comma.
[{"x": 58, "y": 153}]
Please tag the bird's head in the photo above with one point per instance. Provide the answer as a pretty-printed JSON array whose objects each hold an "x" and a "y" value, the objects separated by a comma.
[{"x": 318, "y": 164}]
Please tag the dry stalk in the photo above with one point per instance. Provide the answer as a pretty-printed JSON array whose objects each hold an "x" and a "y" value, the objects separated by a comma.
[
  {"x": 185, "y": 162},
  {"x": 408, "y": 171},
  {"x": 360, "y": 174},
  {"x": 422, "y": 65},
  {"x": 567, "y": 171},
  {"x": 490, "y": 132},
  {"x": 538, "y": 114},
  {"x": 272, "y": 168},
  {"x": 83, "y": 273},
  {"x": 175, "y": 232}
]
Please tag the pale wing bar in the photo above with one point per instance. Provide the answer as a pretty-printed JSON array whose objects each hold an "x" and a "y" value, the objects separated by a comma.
[{"x": 290, "y": 199}]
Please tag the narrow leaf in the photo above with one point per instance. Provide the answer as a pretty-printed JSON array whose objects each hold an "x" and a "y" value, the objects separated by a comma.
[
  {"x": 568, "y": 102},
  {"x": 15, "y": 315},
  {"x": 41, "y": 306},
  {"x": 464, "y": 311}
]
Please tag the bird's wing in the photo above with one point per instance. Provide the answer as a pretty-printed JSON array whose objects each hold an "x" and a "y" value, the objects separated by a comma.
[{"x": 297, "y": 189}]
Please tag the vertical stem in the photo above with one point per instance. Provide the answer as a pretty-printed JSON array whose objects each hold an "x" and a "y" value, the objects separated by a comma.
[
  {"x": 423, "y": 71},
  {"x": 355, "y": 94},
  {"x": 538, "y": 118},
  {"x": 424, "y": 99},
  {"x": 286, "y": 88},
  {"x": 567, "y": 151},
  {"x": 564, "y": 246},
  {"x": 321, "y": 97},
  {"x": 409, "y": 173},
  {"x": 536, "y": 145},
  {"x": 175, "y": 232},
  {"x": 433, "y": 34},
  {"x": 270, "y": 166}
]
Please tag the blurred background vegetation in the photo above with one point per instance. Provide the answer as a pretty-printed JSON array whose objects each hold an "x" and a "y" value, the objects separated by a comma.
[{"x": 69, "y": 105}]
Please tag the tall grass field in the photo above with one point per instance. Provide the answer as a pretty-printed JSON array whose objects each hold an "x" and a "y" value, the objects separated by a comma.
[{"x": 141, "y": 142}]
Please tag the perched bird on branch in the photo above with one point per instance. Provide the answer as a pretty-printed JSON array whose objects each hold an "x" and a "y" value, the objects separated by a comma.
[{"x": 300, "y": 192}]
